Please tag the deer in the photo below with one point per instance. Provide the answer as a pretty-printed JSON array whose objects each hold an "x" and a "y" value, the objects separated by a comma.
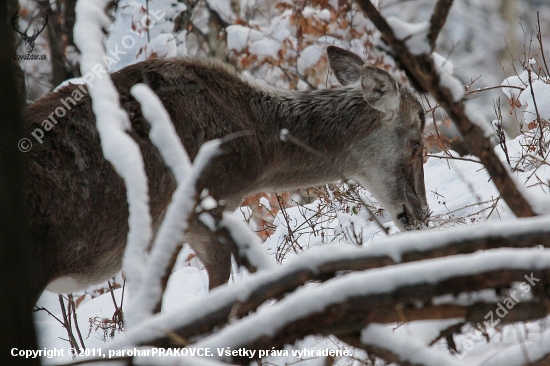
[
  {"x": 29, "y": 40},
  {"x": 370, "y": 128}
]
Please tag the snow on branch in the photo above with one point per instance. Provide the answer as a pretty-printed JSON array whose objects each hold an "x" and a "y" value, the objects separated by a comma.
[
  {"x": 424, "y": 75},
  {"x": 532, "y": 352},
  {"x": 377, "y": 339},
  {"x": 112, "y": 122},
  {"x": 162, "y": 134},
  {"x": 249, "y": 245},
  {"x": 359, "y": 298},
  {"x": 179, "y": 216},
  {"x": 323, "y": 263},
  {"x": 343, "y": 305}
]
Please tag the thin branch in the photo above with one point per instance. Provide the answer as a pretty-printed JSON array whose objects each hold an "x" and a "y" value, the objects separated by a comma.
[
  {"x": 72, "y": 306},
  {"x": 36, "y": 308},
  {"x": 453, "y": 158},
  {"x": 539, "y": 38},
  {"x": 539, "y": 122},
  {"x": 67, "y": 324},
  {"x": 438, "y": 19}
]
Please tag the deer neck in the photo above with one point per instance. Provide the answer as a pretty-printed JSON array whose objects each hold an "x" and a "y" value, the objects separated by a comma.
[{"x": 324, "y": 120}]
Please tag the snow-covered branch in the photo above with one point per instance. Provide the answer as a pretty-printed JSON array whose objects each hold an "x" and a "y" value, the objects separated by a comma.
[
  {"x": 323, "y": 263},
  {"x": 379, "y": 340},
  {"x": 163, "y": 134},
  {"x": 248, "y": 246},
  {"x": 371, "y": 296},
  {"x": 112, "y": 123},
  {"x": 179, "y": 216},
  {"x": 345, "y": 304}
]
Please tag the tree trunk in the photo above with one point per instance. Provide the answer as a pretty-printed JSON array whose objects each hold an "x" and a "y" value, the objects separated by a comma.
[{"x": 17, "y": 300}]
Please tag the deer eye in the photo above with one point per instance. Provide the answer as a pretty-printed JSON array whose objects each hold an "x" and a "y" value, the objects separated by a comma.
[{"x": 415, "y": 145}]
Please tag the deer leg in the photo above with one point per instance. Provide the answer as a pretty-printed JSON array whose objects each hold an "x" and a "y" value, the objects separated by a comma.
[{"x": 214, "y": 255}]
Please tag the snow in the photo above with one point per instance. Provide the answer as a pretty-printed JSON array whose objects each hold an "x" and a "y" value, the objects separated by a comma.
[
  {"x": 443, "y": 63},
  {"x": 118, "y": 147},
  {"x": 162, "y": 46},
  {"x": 408, "y": 349},
  {"x": 521, "y": 81},
  {"x": 309, "y": 57},
  {"x": 238, "y": 36},
  {"x": 162, "y": 134},
  {"x": 128, "y": 42},
  {"x": 223, "y": 8},
  {"x": 541, "y": 89},
  {"x": 171, "y": 233},
  {"x": 518, "y": 354},
  {"x": 265, "y": 47},
  {"x": 310, "y": 300},
  {"x": 414, "y": 35},
  {"x": 264, "y": 202},
  {"x": 73, "y": 81},
  {"x": 426, "y": 331},
  {"x": 454, "y": 85},
  {"x": 249, "y": 244},
  {"x": 446, "y": 79}
]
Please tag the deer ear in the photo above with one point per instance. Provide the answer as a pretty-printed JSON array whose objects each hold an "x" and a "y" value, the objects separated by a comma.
[
  {"x": 345, "y": 64},
  {"x": 380, "y": 89}
]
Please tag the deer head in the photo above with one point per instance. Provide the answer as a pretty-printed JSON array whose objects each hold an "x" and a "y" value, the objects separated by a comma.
[
  {"x": 29, "y": 40},
  {"x": 393, "y": 169}
]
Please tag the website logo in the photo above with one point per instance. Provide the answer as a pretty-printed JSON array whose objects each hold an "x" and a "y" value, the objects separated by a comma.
[{"x": 29, "y": 39}]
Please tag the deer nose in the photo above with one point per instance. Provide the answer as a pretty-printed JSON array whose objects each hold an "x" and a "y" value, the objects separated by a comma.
[{"x": 403, "y": 217}]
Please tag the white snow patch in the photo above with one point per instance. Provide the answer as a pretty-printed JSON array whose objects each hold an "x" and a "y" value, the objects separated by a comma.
[
  {"x": 408, "y": 349},
  {"x": 414, "y": 35},
  {"x": 265, "y": 47},
  {"x": 265, "y": 202},
  {"x": 309, "y": 57},
  {"x": 518, "y": 81},
  {"x": 73, "y": 81},
  {"x": 541, "y": 90},
  {"x": 239, "y": 36},
  {"x": 443, "y": 63}
]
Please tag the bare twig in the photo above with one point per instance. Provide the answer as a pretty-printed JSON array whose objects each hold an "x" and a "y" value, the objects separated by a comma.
[
  {"x": 67, "y": 325},
  {"x": 539, "y": 122},
  {"x": 118, "y": 316},
  {"x": 72, "y": 308},
  {"x": 453, "y": 158},
  {"x": 539, "y": 38}
]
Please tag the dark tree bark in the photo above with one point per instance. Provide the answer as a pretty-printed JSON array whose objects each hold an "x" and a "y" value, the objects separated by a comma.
[
  {"x": 21, "y": 88},
  {"x": 16, "y": 290}
]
